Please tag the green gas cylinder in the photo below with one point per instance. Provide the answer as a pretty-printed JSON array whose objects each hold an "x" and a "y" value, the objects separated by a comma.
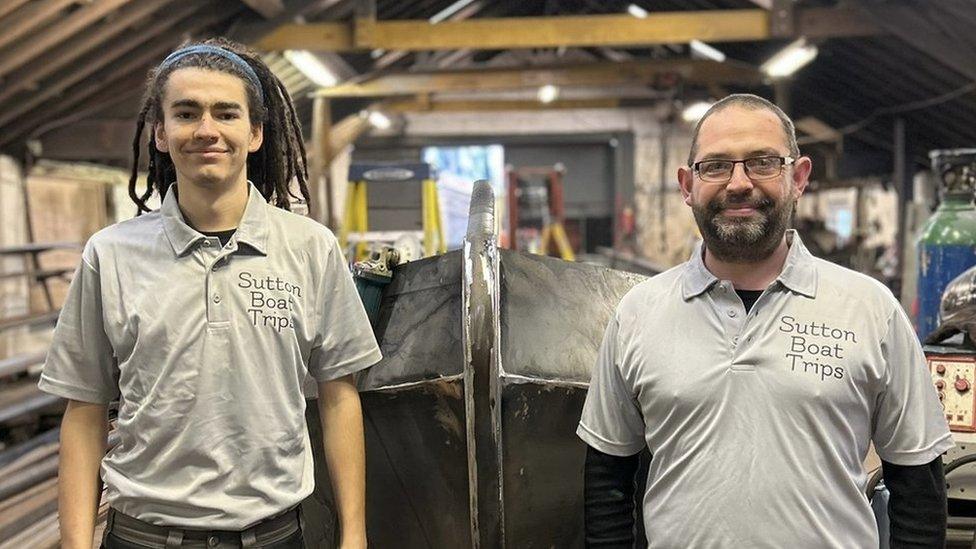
[
  {"x": 372, "y": 276},
  {"x": 947, "y": 242}
]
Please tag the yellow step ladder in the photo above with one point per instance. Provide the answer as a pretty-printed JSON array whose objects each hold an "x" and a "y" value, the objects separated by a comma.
[{"x": 356, "y": 218}]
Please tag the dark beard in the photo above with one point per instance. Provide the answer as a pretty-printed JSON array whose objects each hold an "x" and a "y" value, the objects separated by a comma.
[{"x": 748, "y": 240}]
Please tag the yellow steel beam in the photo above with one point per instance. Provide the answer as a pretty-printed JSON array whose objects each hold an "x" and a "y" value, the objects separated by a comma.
[
  {"x": 330, "y": 36},
  {"x": 698, "y": 71},
  {"x": 524, "y": 32},
  {"x": 573, "y": 30}
]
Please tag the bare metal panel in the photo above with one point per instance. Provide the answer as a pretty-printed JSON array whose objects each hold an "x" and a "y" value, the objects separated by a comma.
[
  {"x": 553, "y": 314},
  {"x": 543, "y": 464},
  {"x": 419, "y": 326},
  {"x": 552, "y": 317},
  {"x": 416, "y": 462}
]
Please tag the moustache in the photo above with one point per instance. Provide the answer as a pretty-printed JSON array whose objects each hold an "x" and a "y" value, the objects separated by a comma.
[{"x": 758, "y": 204}]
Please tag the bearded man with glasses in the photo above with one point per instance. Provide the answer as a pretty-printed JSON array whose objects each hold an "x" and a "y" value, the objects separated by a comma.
[{"x": 757, "y": 375}]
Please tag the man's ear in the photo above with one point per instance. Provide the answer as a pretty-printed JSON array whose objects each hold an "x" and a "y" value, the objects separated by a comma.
[
  {"x": 160, "y": 136},
  {"x": 257, "y": 138},
  {"x": 801, "y": 173},
  {"x": 686, "y": 178}
]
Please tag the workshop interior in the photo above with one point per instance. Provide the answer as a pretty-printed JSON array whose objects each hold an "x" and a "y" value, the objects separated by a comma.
[{"x": 498, "y": 175}]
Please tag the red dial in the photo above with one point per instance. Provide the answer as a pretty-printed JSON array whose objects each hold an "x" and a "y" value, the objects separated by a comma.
[
  {"x": 962, "y": 385},
  {"x": 940, "y": 368},
  {"x": 940, "y": 384}
]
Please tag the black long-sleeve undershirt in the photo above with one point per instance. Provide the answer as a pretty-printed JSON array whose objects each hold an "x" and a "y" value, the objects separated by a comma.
[
  {"x": 916, "y": 506},
  {"x": 608, "y": 499}
]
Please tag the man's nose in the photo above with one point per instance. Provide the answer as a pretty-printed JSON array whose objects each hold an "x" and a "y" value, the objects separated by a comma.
[
  {"x": 739, "y": 182},
  {"x": 206, "y": 129}
]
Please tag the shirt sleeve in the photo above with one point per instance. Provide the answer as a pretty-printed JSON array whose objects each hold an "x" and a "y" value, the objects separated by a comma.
[
  {"x": 81, "y": 363},
  {"x": 909, "y": 424},
  {"x": 344, "y": 341},
  {"x": 612, "y": 421}
]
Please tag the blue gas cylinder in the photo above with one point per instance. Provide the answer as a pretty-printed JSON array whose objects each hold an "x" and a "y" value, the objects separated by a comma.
[{"x": 947, "y": 242}]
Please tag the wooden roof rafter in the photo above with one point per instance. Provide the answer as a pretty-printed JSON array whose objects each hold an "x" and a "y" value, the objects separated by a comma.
[
  {"x": 10, "y": 6},
  {"x": 65, "y": 29},
  {"x": 62, "y": 55},
  {"x": 86, "y": 81},
  {"x": 268, "y": 9},
  {"x": 20, "y": 23}
]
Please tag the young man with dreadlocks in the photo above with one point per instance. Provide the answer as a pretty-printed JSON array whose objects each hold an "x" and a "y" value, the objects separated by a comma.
[{"x": 203, "y": 319}]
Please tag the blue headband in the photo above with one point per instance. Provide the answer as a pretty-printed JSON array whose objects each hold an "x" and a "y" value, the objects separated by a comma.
[{"x": 237, "y": 60}]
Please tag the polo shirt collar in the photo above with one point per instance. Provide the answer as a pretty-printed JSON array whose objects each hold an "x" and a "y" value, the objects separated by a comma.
[
  {"x": 252, "y": 230},
  {"x": 697, "y": 279},
  {"x": 798, "y": 274}
]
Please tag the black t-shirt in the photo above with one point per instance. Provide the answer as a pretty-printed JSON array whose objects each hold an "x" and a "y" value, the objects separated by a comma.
[
  {"x": 224, "y": 236},
  {"x": 749, "y": 298}
]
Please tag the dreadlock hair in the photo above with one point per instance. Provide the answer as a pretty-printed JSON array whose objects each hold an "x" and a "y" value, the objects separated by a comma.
[{"x": 272, "y": 167}]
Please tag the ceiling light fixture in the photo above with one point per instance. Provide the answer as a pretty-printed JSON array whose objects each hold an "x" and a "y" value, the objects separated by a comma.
[
  {"x": 449, "y": 11},
  {"x": 703, "y": 50},
  {"x": 548, "y": 93},
  {"x": 379, "y": 120},
  {"x": 637, "y": 11},
  {"x": 695, "y": 111},
  {"x": 789, "y": 59},
  {"x": 311, "y": 67}
]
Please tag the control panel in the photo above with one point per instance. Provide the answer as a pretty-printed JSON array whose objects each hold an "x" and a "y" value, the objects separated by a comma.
[{"x": 954, "y": 378}]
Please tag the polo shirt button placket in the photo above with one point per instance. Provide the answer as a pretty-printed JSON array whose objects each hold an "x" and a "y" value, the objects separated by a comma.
[{"x": 215, "y": 284}]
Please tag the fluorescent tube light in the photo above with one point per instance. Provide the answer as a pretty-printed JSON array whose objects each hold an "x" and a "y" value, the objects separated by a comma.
[
  {"x": 449, "y": 11},
  {"x": 705, "y": 51},
  {"x": 311, "y": 67},
  {"x": 637, "y": 11},
  {"x": 379, "y": 120},
  {"x": 789, "y": 59}
]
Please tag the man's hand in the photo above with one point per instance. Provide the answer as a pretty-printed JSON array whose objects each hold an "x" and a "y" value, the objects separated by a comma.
[
  {"x": 342, "y": 431},
  {"x": 84, "y": 430}
]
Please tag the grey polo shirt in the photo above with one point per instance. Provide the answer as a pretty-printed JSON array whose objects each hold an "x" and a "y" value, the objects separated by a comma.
[
  {"x": 758, "y": 423},
  {"x": 208, "y": 348}
]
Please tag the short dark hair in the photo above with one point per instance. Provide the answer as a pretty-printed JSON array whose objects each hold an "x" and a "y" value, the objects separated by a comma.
[
  {"x": 751, "y": 102},
  {"x": 272, "y": 168}
]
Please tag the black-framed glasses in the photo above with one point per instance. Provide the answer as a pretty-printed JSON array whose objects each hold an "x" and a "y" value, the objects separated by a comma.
[{"x": 719, "y": 170}]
